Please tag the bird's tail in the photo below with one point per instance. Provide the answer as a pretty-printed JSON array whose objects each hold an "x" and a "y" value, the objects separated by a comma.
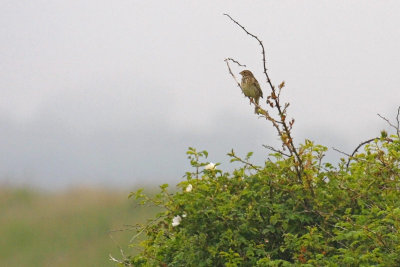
[{"x": 255, "y": 106}]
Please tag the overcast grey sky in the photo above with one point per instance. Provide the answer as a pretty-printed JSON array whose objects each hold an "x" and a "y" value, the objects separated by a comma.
[{"x": 113, "y": 92}]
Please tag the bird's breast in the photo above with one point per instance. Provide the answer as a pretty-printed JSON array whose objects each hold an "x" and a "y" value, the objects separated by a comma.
[{"x": 249, "y": 90}]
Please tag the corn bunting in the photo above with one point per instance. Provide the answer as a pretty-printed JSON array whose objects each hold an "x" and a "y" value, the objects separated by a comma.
[{"x": 250, "y": 87}]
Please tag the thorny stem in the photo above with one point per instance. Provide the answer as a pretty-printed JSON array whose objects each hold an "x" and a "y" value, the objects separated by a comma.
[{"x": 284, "y": 133}]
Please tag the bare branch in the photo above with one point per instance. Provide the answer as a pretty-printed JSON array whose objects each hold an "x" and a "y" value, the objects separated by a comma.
[
  {"x": 383, "y": 118},
  {"x": 235, "y": 61},
  {"x": 266, "y": 114},
  {"x": 341, "y": 152},
  {"x": 230, "y": 71},
  {"x": 358, "y": 147},
  {"x": 396, "y": 127},
  {"x": 276, "y": 150},
  {"x": 259, "y": 41}
]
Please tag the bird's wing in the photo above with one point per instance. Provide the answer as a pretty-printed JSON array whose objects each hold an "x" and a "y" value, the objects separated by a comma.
[{"x": 258, "y": 87}]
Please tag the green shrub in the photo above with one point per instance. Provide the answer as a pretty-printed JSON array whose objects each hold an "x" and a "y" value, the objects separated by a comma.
[{"x": 264, "y": 216}]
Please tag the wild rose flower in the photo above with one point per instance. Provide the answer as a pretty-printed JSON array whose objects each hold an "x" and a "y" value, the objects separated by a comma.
[
  {"x": 326, "y": 179},
  {"x": 210, "y": 166},
  {"x": 176, "y": 220},
  {"x": 189, "y": 188}
]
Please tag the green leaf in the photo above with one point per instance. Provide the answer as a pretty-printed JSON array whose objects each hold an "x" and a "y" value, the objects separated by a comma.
[{"x": 163, "y": 186}]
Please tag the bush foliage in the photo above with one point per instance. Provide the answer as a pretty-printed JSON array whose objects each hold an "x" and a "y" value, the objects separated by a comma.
[{"x": 265, "y": 216}]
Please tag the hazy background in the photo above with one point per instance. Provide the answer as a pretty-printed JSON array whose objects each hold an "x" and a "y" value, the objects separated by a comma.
[{"x": 112, "y": 93}]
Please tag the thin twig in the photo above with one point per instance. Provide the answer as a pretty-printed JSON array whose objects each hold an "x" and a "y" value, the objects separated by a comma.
[
  {"x": 383, "y": 118},
  {"x": 246, "y": 162},
  {"x": 129, "y": 228},
  {"x": 276, "y": 150},
  {"x": 230, "y": 71},
  {"x": 237, "y": 62},
  {"x": 260, "y": 42},
  {"x": 396, "y": 127},
  {"x": 114, "y": 259},
  {"x": 120, "y": 249},
  {"x": 145, "y": 228},
  {"x": 341, "y": 152}
]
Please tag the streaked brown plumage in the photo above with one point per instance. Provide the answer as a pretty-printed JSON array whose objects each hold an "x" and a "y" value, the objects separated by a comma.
[{"x": 250, "y": 87}]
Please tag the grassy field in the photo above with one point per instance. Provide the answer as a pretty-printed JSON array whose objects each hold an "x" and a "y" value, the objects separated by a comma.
[{"x": 71, "y": 228}]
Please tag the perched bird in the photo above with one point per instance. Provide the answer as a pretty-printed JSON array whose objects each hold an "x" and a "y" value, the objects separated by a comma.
[{"x": 250, "y": 87}]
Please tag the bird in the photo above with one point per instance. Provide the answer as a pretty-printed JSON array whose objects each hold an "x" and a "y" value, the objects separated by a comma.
[{"x": 250, "y": 87}]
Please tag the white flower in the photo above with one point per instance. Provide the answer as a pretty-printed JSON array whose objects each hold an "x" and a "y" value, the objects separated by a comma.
[
  {"x": 210, "y": 166},
  {"x": 326, "y": 179},
  {"x": 189, "y": 188},
  {"x": 176, "y": 220},
  {"x": 184, "y": 215}
]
